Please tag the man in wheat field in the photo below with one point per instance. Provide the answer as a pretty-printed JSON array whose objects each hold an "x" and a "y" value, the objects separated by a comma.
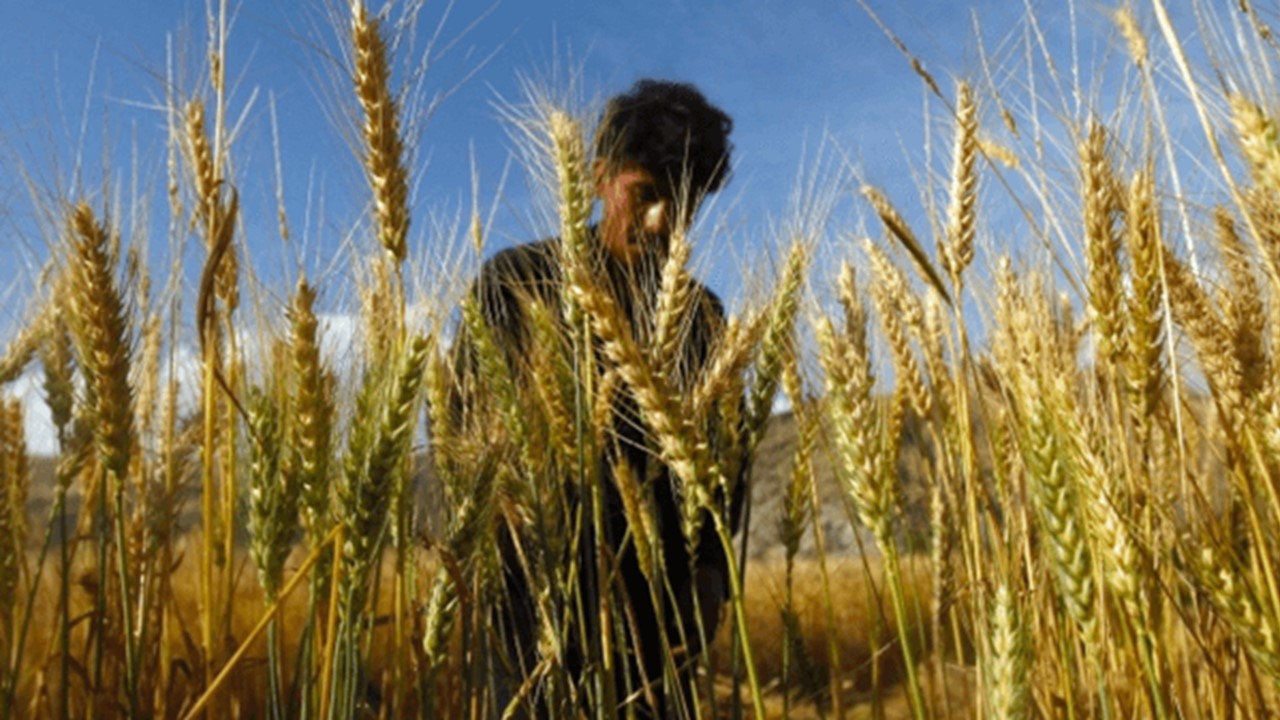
[{"x": 641, "y": 603}]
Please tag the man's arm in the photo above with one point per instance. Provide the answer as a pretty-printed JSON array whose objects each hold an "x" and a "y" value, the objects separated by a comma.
[{"x": 505, "y": 283}]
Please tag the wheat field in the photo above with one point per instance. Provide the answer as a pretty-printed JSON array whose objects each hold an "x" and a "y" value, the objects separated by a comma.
[{"x": 1029, "y": 469}]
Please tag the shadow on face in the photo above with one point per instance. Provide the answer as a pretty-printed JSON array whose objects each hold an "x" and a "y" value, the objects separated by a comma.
[{"x": 639, "y": 213}]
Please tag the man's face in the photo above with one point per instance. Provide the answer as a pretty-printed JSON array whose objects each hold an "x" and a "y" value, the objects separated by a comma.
[{"x": 638, "y": 214}]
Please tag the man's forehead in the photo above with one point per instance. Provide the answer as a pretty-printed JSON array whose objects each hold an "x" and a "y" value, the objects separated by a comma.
[
  {"x": 632, "y": 172},
  {"x": 627, "y": 169}
]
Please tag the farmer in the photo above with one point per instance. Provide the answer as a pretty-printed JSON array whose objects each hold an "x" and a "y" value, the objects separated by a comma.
[{"x": 659, "y": 150}]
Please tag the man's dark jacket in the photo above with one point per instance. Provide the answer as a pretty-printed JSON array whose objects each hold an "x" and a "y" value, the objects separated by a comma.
[{"x": 531, "y": 272}]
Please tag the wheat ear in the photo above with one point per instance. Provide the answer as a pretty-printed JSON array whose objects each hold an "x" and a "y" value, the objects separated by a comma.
[
  {"x": 901, "y": 231},
  {"x": 103, "y": 341},
  {"x": 957, "y": 251},
  {"x": 1258, "y": 136},
  {"x": 1098, "y": 195},
  {"x": 895, "y": 304},
  {"x": 273, "y": 496},
  {"x": 1134, "y": 39},
  {"x": 57, "y": 356},
  {"x": 13, "y": 503},
  {"x": 1233, "y": 597},
  {"x": 854, "y": 425},
  {"x": 104, "y": 352},
  {"x": 777, "y": 338},
  {"x": 1194, "y": 311},
  {"x": 673, "y": 430},
  {"x": 217, "y": 216},
  {"x": 1008, "y": 690},
  {"x": 382, "y": 434},
  {"x": 19, "y": 352},
  {"x": 795, "y": 499},
  {"x": 1055, "y": 498},
  {"x": 673, "y": 303},
  {"x": 1246, "y": 315},
  {"x": 1144, "y": 348},
  {"x": 310, "y": 427},
  {"x": 383, "y": 149},
  {"x": 570, "y": 160}
]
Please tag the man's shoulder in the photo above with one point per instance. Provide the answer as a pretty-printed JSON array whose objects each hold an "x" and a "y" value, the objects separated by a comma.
[
  {"x": 515, "y": 276},
  {"x": 707, "y": 301},
  {"x": 526, "y": 262}
]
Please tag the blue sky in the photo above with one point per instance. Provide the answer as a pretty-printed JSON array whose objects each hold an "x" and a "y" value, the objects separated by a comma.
[
  {"x": 790, "y": 73},
  {"x": 793, "y": 75}
]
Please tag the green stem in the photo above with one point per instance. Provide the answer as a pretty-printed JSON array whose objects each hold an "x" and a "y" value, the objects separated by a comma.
[
  {"x": 900, "y": 616},
  {"x": 1156, "y": 687},
  {"x": 273, "y": 670},
  {"x": 740, "y": 614},
  {"x": 126, "y": 608}
]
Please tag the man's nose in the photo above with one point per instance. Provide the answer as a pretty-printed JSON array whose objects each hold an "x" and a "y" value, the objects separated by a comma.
[{"x": 657, "y": 218}]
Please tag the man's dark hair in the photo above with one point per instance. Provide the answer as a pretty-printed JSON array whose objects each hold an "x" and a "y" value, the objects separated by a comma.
[{"x": 666, "y": 128}]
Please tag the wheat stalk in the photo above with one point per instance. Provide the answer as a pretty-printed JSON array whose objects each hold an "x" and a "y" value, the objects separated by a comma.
[
  {"x": 901, "y": 231},
  {"x": 104, "y": 344},
  {"x": 1102, "y": 245},
  {"x": 1054, "y": 495},
  {"x": 57, "y": 357},
  {"x": 1243, "y": 305},
  {"x": 1234, "y": 598},
  {"x": 1258, "y": 137},
  {"x": 1204, "y": 327},
  {"x": 777, "y": 339},
  {"x": 273, "y": 495},
  {"x": 310, "y": 426},
  {"x": 1135, "y": 41},
  {"x": 795, "y": 499},
  {"x": 13, "y": 495},
  {"x": 673, "y": 303},
  {"x": 103, "y": 341},
  {"x": 957, "y": 251},
  {"x": 382, "y": 434},
  {"x": 383, "y": 150},
  {"x": 1007, "y": 678},
  {"x": 569, "y": 157},
  {"x": 217, "y": 217},
  {"x": 891, "y": 297},
  {"x": 673, "y": 431},
  {"x": 19, "y": 352},
  {"x": 1144, "y": 345},
  {"x": 855, "y": 429}
]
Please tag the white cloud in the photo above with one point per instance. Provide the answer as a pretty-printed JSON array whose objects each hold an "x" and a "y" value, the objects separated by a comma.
[{"x": 41, "y": 437}]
